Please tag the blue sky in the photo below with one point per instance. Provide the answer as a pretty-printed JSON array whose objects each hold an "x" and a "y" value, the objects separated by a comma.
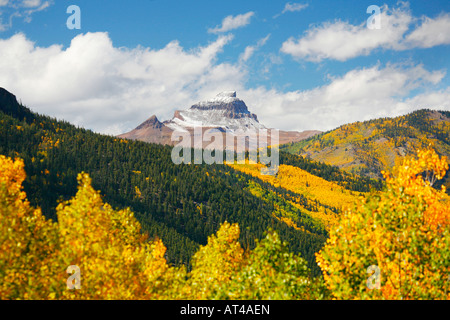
[{"x": 298, "y": 65}]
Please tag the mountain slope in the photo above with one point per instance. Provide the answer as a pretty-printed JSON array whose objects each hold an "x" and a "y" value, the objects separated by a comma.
[{"x": 369, "y": 147}]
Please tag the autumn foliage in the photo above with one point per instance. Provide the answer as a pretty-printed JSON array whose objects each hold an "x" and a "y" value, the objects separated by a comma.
[
  {"x": 27, "y": 239},
  {"x": 117, "y": 261},
  {"x": 403, "y": 232}
]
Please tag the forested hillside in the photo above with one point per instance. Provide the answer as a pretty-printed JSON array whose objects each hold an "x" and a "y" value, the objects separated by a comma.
[{"x": 368, "y": 147}]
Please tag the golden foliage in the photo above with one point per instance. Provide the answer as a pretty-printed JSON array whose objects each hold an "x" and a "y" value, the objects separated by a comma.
[
  {"x": 116, "y": 261},
  {"x": 26, "y": 239},
  {"x": 312, "y": 187},
  {"x": 215, "y": 263},
  {"x": 404, "y": 231}
]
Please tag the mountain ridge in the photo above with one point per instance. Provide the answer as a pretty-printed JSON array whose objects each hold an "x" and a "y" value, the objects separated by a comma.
[
  {"x": 224, "y": 113},
  {"x": 366, "y": 148}
]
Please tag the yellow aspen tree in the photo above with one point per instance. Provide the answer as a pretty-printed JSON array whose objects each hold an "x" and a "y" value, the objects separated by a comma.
[
  {"x": 402, "y": 233},
  {"x": 215, "y": 263},
  {"x": 27, "y": 241},
  {"x": 115, "y": 259}
]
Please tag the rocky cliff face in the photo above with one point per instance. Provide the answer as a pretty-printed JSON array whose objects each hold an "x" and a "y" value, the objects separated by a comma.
[{"x": 152, "y": 122}]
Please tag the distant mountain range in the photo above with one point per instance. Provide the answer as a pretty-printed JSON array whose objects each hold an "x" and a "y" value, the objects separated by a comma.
[{"x": 224, "y": 113}]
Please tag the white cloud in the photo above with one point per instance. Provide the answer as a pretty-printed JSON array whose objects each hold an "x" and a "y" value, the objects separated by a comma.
[
  {"x": 432, "y": 32},
  {"x": 23, "y": 3},
  {"x": 292, "y": 7},
  {"x": 359, "y": 95},
  {"x": 438, "y": 100},
  {"x": 231, "y": 23},
  {"x": 108, "y": 89},
  {"x": 31, "y": 3},
  {"x": 341, "y": 40},
  {"x": 249, "y": 50}
]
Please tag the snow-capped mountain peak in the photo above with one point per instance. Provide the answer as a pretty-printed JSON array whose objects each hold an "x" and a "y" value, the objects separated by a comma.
[{"x": 224, "y": 111}]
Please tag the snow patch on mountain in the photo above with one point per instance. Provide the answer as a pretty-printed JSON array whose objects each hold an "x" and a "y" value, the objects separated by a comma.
[{"x": 225, "y": 97}]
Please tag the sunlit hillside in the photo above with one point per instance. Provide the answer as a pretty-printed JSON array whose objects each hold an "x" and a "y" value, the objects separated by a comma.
[
  {"x": 372, "y": 146},
  {"x": 328, "y": 198}
]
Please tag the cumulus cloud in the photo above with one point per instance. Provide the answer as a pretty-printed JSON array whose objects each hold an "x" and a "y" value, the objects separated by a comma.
[
  {"x": 358, "y": 95},
  {"x": 109, "y": 89},
  {"x": 340, "y": 40},
  {"x": 233, "y": 22},
  {"x": 431, "y": 32}
]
